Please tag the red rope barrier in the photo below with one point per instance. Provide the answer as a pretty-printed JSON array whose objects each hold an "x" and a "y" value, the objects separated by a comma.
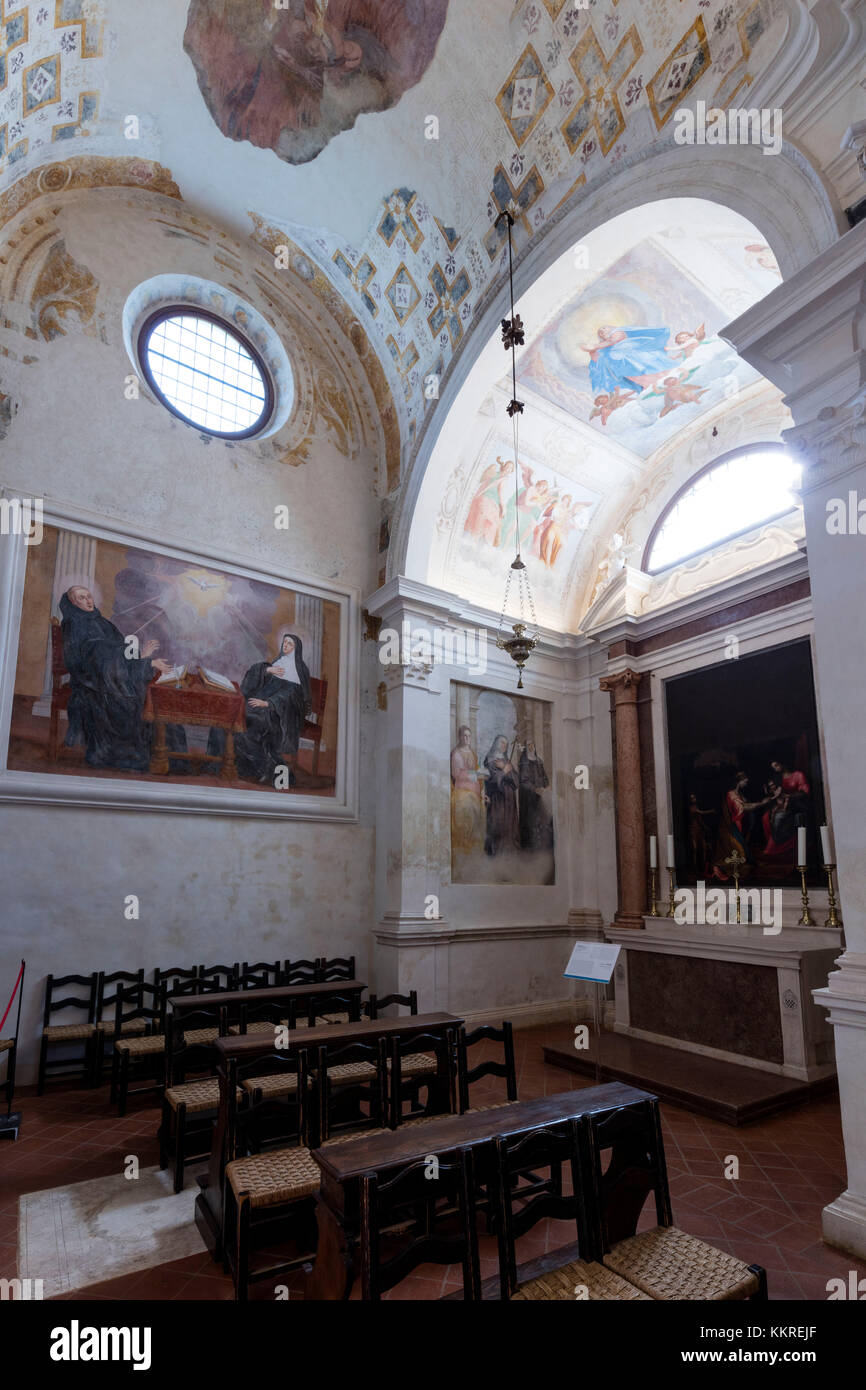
[{"x": 12, "y": 995}]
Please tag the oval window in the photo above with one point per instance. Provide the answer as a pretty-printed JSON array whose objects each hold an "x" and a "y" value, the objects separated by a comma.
[{"x": 204, "y": 372}]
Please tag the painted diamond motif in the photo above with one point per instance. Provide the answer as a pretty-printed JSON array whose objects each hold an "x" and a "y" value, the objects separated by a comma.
[
  {"x": 41, "y": 84},
  {"x": 403, "y": 295},
  {"x": 678, "y": 73},
  {"x": 523, "y": 101},
  {"x": 525, "y": 96}
]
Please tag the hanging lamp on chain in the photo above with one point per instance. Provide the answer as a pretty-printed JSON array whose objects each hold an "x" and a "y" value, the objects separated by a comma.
[{"x": 524, "y": 636}]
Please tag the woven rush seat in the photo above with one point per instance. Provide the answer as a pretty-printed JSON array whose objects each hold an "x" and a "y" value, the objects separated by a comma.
[
  {"x": 416, "y": 1064},
  {"x": 560, "y": 1285},
  {"x": 334, "y": 1018},
  {"x": 283, "y": 1175},
  {"x": 273, "y": 1085},
  {"x": 201, "y": 1035},
  {"x": 140, "y": 1047},
  {"x": 352, "y": 1071},
  {"x": 69, "y": 1030},
  {"x": 6, "y": 1044},
  {"x": 197, "y": 1096},
  {"x": 135, "y": 1025},
  {"x": 666, "y": 1263},
  {"x": 351, "y": 1138},
  {"x": 265, "y": 1027}
]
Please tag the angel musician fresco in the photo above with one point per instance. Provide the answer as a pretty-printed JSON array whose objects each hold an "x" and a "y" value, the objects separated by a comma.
[{"x": 547, "y": 514}]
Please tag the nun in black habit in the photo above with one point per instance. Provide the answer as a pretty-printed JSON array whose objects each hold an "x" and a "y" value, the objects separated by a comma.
[
  {"x": 278, "y": 701},
  {"x": 106, "y": 688}
]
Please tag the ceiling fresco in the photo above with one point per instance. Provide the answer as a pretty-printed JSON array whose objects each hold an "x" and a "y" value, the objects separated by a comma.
[
  {"x": 377, "y": 142},
  {"x": 635, "y": 353},
  {"x": 290, "y": 77},
  {"x": 633, "y": 320}
]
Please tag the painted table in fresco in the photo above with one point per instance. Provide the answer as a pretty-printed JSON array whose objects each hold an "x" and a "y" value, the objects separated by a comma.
[{"x": 193, "y": 702}]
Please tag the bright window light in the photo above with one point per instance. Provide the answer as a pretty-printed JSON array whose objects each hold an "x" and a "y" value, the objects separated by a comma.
[
  {"x": 206, "y": 373},
  {"x": 733, "y": 497}
]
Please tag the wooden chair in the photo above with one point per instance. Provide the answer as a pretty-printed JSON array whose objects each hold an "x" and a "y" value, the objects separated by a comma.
[
  {"x": 177, "y": 981},
  {"x": 301, "y": 972},
  {"x": 467, "y": 1076},
  {"x": 388, "y": 1197},
  {"x": 264, "y": 1017},
  {"x": 262, "y": 975},
  {"x": 59, "y": 691},
  {"x": 190, "y": 1041},
  {"x": 268, "y": 1192},
  {"x": 338, "y": 968},
  {"x": 663, "y": 1262},
  {"x": 213, "y": 978},
  {"x": 80, "y": 1030},
  {"x": 408, "y": 1065},
  {"x": 106, "y": 1002},
  {"x": 141, "y": 1058},
  {"x": 377, "y": 1003},
  {"x": 345, "y": 1077},
  {"x": 549, "y": 1148},
  {"x": 189, "y": 1108},
  {"x": 333, "y": 1008}
]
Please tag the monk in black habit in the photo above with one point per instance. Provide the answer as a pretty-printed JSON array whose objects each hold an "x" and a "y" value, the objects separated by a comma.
[
  {"x": 106, "y": 688},
  {"x": 278, "y": 701}
]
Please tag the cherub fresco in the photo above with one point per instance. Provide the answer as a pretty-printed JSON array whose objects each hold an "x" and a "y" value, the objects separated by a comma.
[
  {"x": 627, "y": 363},
  {"x": 291, "y": 77}
]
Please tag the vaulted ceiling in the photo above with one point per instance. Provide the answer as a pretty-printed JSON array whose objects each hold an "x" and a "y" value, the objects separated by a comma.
[{"x": 374, "y": 142}]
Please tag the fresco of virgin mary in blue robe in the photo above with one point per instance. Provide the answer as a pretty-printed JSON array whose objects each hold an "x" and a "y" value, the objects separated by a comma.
[{"x": 628, "y": 357}]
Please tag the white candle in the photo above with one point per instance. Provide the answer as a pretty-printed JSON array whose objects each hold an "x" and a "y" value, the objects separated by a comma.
[
  {"x": 670, "y": 851},
  {"x": 801, "y": 847},
  {"x": 825, "y": 845},
  {"x": 654, "y": 858}
]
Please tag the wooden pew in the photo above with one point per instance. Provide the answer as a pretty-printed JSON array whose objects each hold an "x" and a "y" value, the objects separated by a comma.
[
  {"x": 339, "y": 1202},
  {"x": 208, "y": 1207}
]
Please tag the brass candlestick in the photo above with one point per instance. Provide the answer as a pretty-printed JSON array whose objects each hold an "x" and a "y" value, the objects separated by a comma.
[
  {"x": 734, "y": 861},
  {"x": 671, "y": 886},
  {"x": 806, "y": 918},
  {"x": 832, "y": 920},
  {"x": 654, "y": 902}
]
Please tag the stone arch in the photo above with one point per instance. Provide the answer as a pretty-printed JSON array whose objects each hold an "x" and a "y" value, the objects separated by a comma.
[{"x": 791, "y": 204}]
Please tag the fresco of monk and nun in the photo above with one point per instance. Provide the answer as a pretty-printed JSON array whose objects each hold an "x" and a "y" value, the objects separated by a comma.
[{"x": 501, "y": 788}]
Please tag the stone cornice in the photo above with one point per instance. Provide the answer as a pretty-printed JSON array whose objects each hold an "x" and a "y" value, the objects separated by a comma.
[{"x": 441, "y": 934}]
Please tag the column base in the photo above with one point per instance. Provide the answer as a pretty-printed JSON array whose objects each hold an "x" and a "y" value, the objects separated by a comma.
[
  {"x": 633, "y": 920},
  {"x": 843, "y": 1224}
]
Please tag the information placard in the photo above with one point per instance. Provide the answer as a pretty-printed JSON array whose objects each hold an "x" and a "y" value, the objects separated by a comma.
[{"x": 592, "y": 960}]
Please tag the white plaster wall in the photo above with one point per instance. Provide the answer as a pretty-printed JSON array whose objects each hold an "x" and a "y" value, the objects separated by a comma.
[{"x": 212, "y": 889}]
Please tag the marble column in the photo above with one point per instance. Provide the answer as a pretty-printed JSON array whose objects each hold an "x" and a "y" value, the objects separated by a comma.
[
  {"x": 807, "y": 337},
  {"x": 623, "y": 688}
]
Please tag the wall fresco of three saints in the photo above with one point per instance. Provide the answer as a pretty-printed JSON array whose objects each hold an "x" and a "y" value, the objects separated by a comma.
[
  {"x": 501, "y": 788},
  {"x": 137, "y": 664}
]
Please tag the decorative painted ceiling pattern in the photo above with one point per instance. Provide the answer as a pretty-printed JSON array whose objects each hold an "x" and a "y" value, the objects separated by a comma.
[
  {"x": 52, "y": 68},
  {"x": 588, "y": 87}
]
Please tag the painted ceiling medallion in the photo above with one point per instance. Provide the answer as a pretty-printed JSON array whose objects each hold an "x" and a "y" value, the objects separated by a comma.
[{"x": 290, "y": 78}]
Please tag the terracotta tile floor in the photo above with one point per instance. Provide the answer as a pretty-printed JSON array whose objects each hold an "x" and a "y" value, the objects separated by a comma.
[{"x": 790, "y": 1166}]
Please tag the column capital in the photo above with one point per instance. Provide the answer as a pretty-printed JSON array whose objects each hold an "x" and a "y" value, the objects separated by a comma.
[{"x": 622, "y": 685}]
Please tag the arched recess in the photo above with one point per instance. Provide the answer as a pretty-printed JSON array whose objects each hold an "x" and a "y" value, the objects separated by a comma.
[{"x": 791, "y": 204}]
